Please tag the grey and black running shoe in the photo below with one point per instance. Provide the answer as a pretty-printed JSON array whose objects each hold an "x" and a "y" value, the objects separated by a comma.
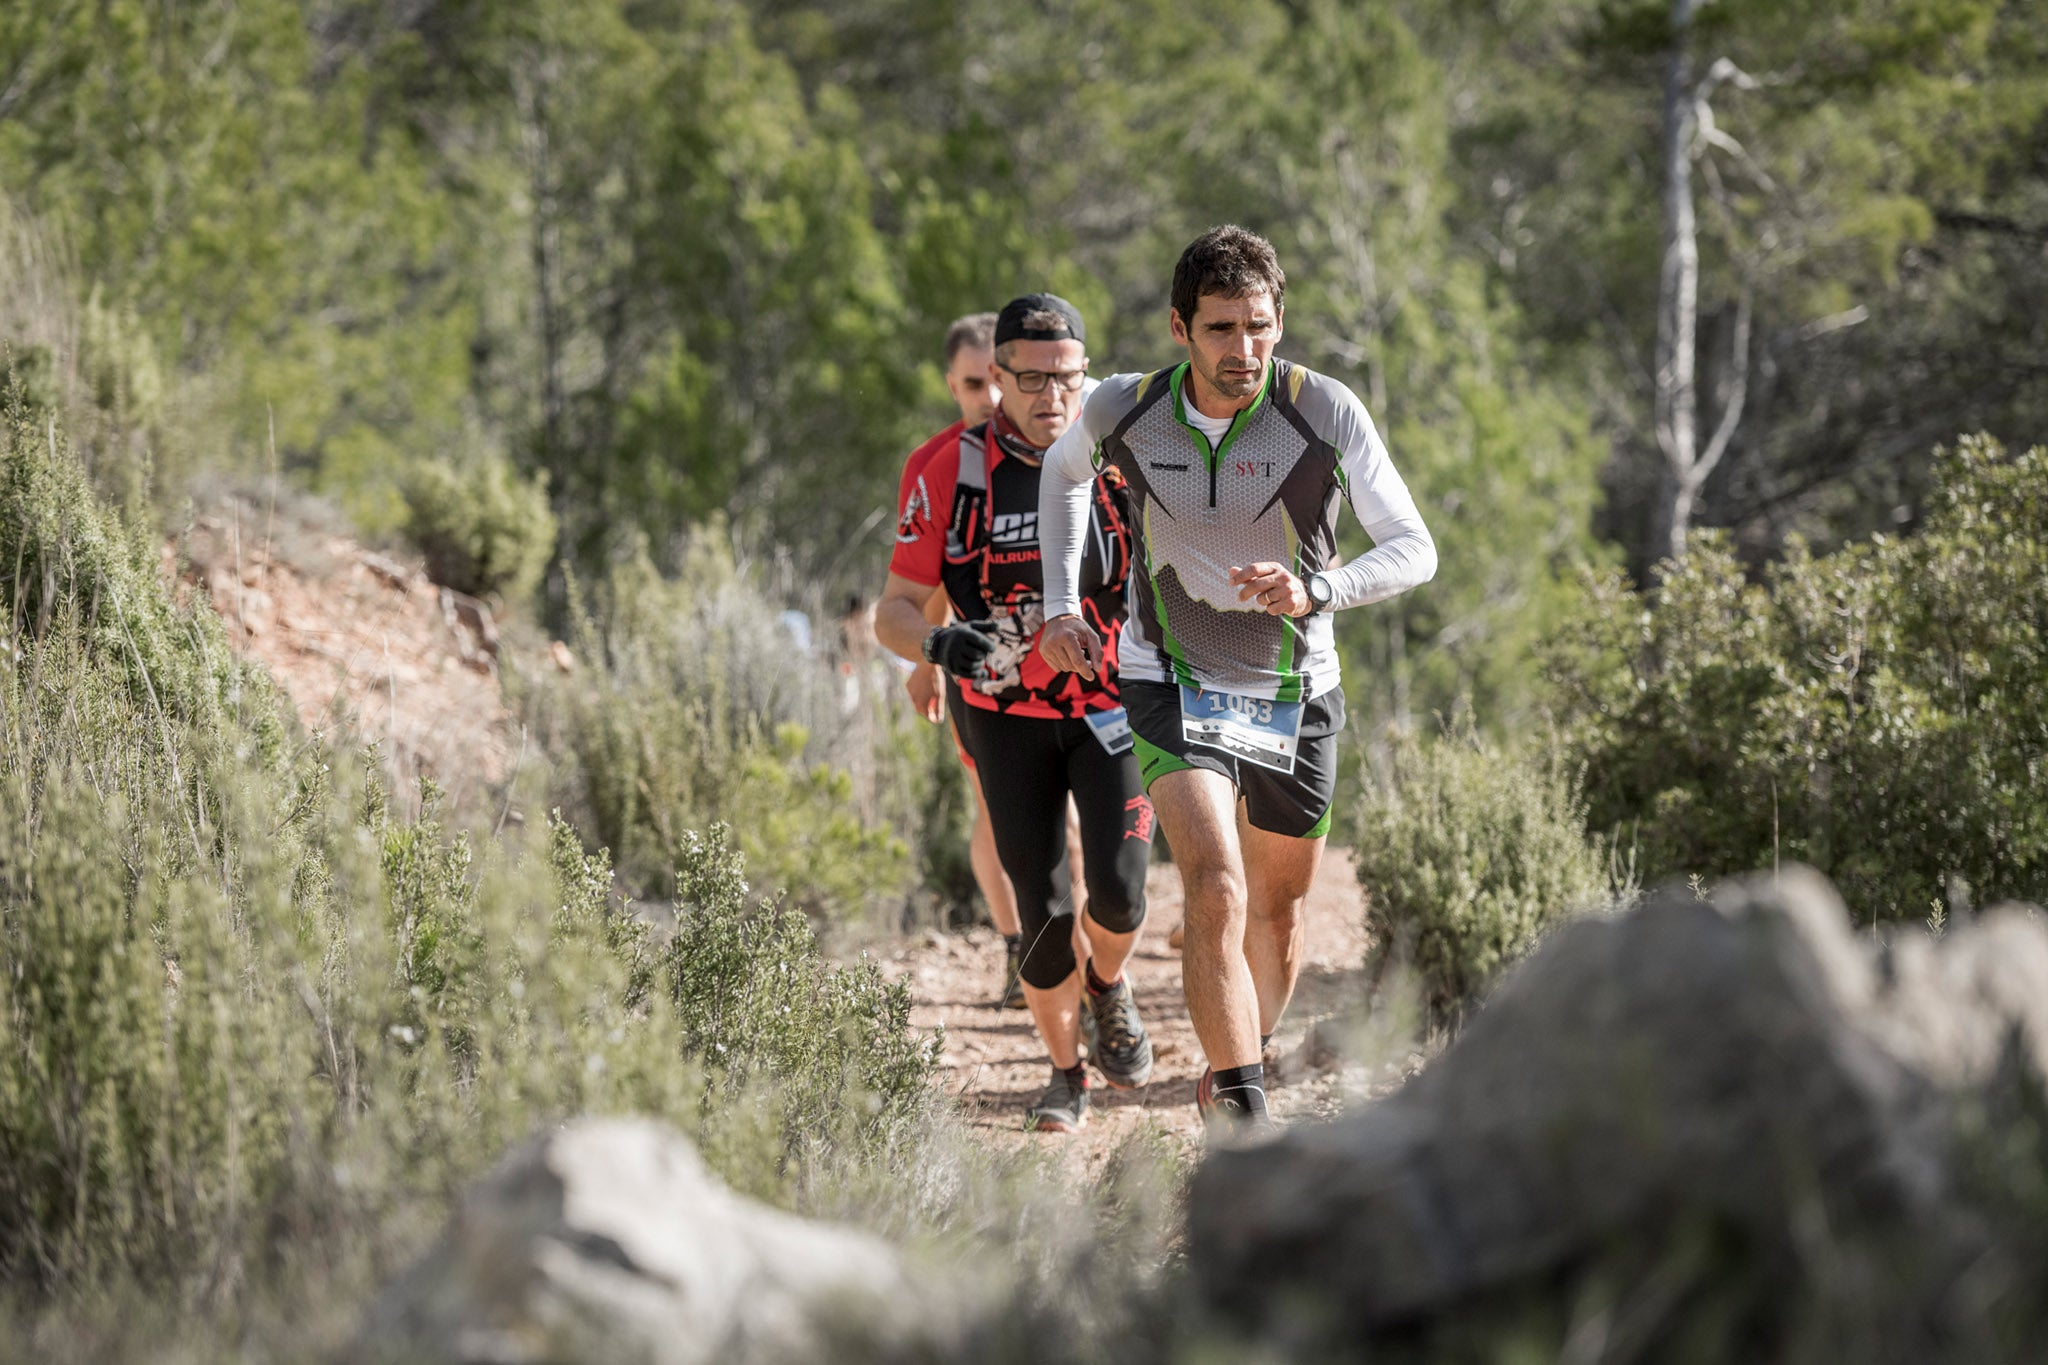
[
  {"x": 1013, "y": 984},
  {"x": 1063, "y": 1108},
  {"x": 1122, "y": 1050}
]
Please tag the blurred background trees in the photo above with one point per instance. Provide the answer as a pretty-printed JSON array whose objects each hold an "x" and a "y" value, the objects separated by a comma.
[{"x": 691, "y": 260}]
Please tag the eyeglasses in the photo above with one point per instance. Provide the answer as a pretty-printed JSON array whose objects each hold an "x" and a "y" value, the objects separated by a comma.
[{"x": 1033, "y": 381}]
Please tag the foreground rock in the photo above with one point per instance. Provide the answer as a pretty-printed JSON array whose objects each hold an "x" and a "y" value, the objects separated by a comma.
[
  {"x": 1735, "y": 1130},
  {"x": 609, "y": 1241}
]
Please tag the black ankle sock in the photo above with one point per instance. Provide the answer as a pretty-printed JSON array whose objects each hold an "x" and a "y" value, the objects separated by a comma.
[
  {"x": 1265, "y": 1041},
  {"x": 1240, "y": 1090},
  {"x": 1096, "y": 985},
  {"x": 1077, "y": 1073},
  {"x": 1012, "y": 942}
]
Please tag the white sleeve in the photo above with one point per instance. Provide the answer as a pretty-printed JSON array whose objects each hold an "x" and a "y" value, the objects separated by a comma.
[
  {"x": 1403, "y": 556},
  {"x": 1063, "y": 482}
]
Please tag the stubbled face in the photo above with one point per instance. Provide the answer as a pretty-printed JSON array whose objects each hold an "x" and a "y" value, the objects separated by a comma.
[
  {"x": 967, "y": 381},
  {"x": 1230, "y": 343},
  {"x": 1043, "y": 416}
]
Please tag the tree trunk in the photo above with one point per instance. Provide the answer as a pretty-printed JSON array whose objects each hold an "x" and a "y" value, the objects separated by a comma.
[
  {"x": 532, "y": 95},
  {"x": 1678, "y": 287}
]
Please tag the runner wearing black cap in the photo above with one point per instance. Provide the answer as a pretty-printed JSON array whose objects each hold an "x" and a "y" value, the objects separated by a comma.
[{"x": 968, "y": 527}]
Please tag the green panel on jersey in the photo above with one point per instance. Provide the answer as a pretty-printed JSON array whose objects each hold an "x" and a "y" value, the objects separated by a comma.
[{"x": 1155, "y": 763}]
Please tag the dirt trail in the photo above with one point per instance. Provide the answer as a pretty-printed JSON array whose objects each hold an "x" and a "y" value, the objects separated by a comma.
[{"x": 995, "y": 1064}]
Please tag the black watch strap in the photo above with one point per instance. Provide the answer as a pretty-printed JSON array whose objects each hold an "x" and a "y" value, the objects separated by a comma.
[{"x": 1317, "y": 601}]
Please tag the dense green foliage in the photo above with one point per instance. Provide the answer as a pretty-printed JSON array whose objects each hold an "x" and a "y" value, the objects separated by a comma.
[
  {"x": 1880, "y": 712},
  {"x": 656, "y": 287},
  {"x": 249, "y": 1008},
  {"x": 1467, "y": 854},
  {"x": 481, "y": 528},
  {"x": 1868, "y": 179},
  {"x": 692, "y": 258}
]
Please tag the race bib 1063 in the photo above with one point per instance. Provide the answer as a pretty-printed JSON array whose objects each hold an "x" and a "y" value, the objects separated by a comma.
[{"x": 1255, "y": 729}]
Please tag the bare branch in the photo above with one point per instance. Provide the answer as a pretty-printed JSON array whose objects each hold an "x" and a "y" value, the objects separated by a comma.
[
  {"x": 1834, "y": 322},
  {"x": 1714, "y": 137},
  {"x": 1724, "y": 72},
  {"x": 1738, "y": 389}
]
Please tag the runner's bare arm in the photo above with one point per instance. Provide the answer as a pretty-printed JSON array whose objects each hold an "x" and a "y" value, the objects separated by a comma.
[
  {"x": 922, "y": 682},
  {"x": 900, "y": 621}
]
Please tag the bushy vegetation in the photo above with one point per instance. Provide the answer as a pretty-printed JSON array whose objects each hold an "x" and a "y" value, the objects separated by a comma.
[
  {"x": 255, "y": 1011},
  {"x": 695, "y": 259},
  {"x": 1468, "y": 852},
  {"x": 704, "y": 701},
  {"x": 1880, "y": 712},
  {"x": 482, "y": 528}
]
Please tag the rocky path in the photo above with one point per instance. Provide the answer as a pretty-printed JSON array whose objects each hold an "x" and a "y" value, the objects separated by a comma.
[{"x": 995, "y": 1066}]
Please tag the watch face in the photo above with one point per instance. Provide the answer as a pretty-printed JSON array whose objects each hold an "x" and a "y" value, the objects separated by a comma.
[{"x": 1319, "y": 590}]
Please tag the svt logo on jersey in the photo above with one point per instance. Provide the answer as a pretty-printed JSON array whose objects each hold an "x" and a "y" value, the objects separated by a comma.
[{"x": 1013, "y": 528}]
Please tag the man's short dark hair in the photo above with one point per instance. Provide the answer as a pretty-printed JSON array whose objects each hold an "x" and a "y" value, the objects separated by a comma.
[
  {"x": 977, "y": 330},
  {"x": 1228, "y": 261}
]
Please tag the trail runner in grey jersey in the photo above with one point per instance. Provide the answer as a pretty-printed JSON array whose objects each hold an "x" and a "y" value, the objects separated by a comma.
[{"x": 1236, "y": 462}]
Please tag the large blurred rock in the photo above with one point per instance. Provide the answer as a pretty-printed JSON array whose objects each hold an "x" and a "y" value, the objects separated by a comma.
[
  {"x": 607, "y": 1240},
  {"x": 1734, "y": 1129}
]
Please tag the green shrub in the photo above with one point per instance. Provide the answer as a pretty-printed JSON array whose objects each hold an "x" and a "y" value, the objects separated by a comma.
[
  {"x": 1880, "y": 712},
  {"x": 482, "y": 528},
  {"x": 250, "y": 1014},
  {"x": 698, "y": 707},
  {"x": 829, "y": 1048},
  {"x": 1468, "y": 853}
]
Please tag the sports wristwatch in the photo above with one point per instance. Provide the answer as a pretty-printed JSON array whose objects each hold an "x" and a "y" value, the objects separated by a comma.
[{"x": 1320, "y": 593}]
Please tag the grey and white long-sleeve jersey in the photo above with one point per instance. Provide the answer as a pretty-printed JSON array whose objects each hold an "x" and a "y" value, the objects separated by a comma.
[{"x": 1268, "y": 490}]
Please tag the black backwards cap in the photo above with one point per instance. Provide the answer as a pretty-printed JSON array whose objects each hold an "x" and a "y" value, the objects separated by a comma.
[{"x": 1010, "y": 322}]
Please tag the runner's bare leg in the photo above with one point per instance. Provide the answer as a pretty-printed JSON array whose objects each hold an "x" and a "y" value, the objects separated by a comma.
[
  {"x": 988, "y": 865},
  {"x": 1056, "y": 1010},
  {"x": 1198, "y": 812},
  {"x": 1278, "y": 873}
]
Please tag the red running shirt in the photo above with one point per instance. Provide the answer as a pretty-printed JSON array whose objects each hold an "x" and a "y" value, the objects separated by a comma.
[{"x": 967, "y": 521}]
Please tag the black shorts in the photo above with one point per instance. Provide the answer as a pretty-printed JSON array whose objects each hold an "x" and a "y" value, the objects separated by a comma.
[
  {"x": 1029, "y": 766},
  {"x": 1295, "y": 804}
]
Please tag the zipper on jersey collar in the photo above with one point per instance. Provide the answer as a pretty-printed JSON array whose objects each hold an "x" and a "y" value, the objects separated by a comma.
[{"x": 1215, "y": 455}]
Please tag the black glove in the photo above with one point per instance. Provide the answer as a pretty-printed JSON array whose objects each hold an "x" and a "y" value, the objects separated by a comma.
[{"x": 961, "y": 649}]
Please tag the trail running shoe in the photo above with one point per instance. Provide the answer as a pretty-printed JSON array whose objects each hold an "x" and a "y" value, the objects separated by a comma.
[
  {"x": 1013, "y": 984},
  {"x": 1122, "y": 1050},
  {"x": 1063, "y": 1108}
]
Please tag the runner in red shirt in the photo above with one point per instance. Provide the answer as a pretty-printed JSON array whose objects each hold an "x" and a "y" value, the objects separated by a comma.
[{"x": 968, "y": 529}]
